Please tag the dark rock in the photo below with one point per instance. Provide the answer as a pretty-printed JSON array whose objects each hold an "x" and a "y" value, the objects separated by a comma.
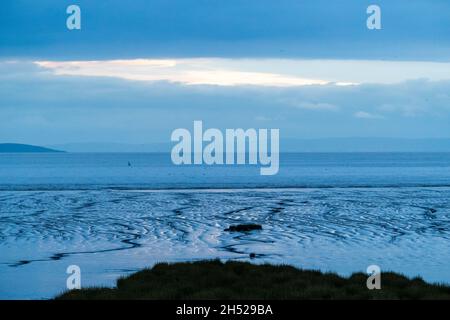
[
  {"x": 244, "y": 228},
  {"x": 252, "y": 255}
]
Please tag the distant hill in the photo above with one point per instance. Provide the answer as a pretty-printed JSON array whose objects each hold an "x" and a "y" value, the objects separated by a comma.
[
  {"x": 23, "y": 148},
  {"x": 352, "y": 144}
]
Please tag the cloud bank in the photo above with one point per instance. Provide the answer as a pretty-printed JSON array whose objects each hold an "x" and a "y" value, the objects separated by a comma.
[{"x": 37, "y": 106}]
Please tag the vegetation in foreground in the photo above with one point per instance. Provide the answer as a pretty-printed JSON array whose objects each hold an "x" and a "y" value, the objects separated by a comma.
[{"x": 242, "y": 280}]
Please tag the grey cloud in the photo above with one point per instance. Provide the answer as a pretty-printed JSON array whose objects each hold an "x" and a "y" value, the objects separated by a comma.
[{"x": 38, "y": 107}]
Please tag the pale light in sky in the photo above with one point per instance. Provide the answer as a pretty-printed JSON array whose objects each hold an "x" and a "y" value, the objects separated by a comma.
[
  {"x": 257, "y": 72},
  {"x": 186, "y": 71}
]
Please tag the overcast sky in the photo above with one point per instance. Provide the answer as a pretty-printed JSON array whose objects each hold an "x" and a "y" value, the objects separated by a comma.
[{"x": 137, "y": 70}]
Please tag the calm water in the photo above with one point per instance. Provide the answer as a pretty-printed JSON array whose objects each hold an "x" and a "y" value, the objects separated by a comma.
[{"x": 337, "y": 212}]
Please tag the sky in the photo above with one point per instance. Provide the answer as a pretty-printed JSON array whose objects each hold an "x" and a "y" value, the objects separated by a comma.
[{"x": 138, "y": 70}]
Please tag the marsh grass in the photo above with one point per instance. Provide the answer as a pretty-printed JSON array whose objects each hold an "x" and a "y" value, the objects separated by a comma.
[{"x": 241, "y": 280}]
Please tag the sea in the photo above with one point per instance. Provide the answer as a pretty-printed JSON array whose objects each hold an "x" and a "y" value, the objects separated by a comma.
[{"x": 112, "y": 214}]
